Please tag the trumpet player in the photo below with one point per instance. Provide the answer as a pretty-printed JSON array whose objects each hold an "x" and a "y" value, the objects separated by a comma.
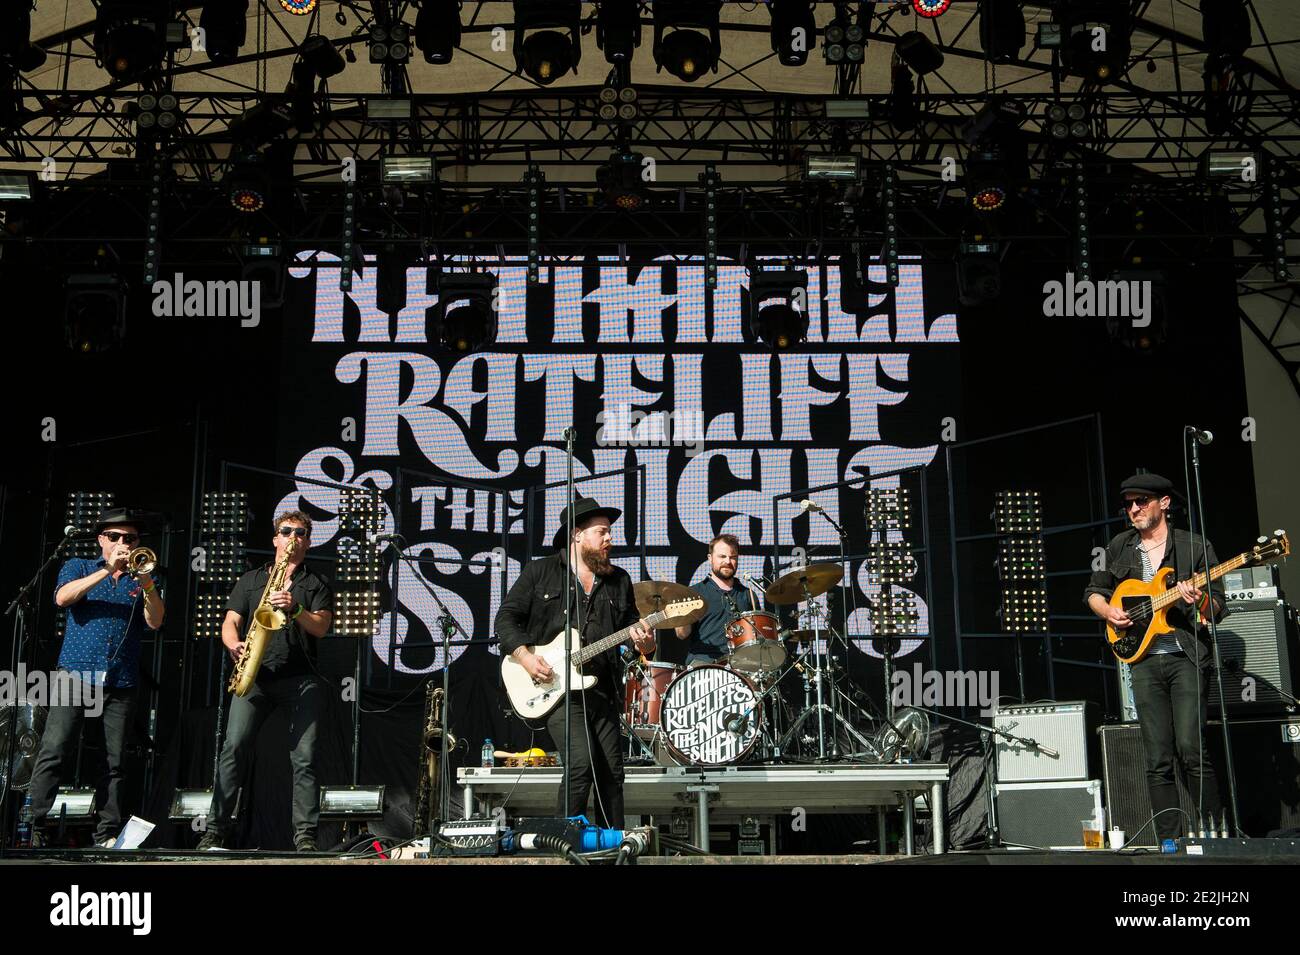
[
  {"x": 286, "y": 677},
  {"x": 109, "y": 602}
]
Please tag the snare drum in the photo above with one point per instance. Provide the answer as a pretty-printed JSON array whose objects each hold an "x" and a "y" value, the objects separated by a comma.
[
  {"x": 711, "y": 716},
  {"x": 643, "y": 693},
  {"x": 754, "y": 643}
]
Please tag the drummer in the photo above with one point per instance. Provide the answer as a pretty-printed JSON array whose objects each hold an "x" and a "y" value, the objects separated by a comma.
[{"x": 724, "y": 599}]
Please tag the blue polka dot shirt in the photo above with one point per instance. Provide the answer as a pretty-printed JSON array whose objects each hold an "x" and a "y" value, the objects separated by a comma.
[{"x": 102, "y": 636}]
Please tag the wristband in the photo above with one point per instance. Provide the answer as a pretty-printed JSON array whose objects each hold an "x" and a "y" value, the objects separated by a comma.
[
  {"x": 151, "y": 588},
  {"x": 297, "y": 612},
  {"x": 1204, "y": 604}
]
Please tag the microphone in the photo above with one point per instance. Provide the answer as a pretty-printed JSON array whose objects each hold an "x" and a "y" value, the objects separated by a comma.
[
  {"x": 386, "y": 538},
  {"x": 807, "y": 505},
  {"x": 1204, "y": 437},
  {"x": 72, "y": 530},
  {"x": 737, "y": 724}
]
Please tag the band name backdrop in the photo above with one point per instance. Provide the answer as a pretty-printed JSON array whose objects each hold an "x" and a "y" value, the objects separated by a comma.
[{"x": 661, "y": 382}]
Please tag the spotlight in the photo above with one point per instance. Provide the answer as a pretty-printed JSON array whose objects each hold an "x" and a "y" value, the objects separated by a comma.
[
  {"x": 1225, "y": 25},
  {"x": 1002, "y": 29},
  {"x": 919, "y": 53},
  {"x": 261, "y": 262},
  {"x": 1218, "y": 77},
  {"x": 463, "y": 317},
  {"x": 844, "y": 43},
  {"x": 832, "y": 167},
  {"x": 400, "y": 169},
  {"x": 620, "y": 180},
  {"x": 437, "y": 31},
  {"x": 225, "y": 27},
  {"x": 390, "y": 43},
  {"x": 155, "y": 116},
  {"x": 547, "y": 54},
  {"x": 128, "y": 38},
  {"x": 1063, "y": 123},
  {"x": 321, "y": 56},
  {"x": 779, "y": 324},
  {"x": 1096, "y": 40},
  {"x": 931, "y": 8},
  {"x": 94, "y": 312},
  {"x": 16, "y": 48},
  {"x": 793, "y": 30},
  {"x": 686, "y": 53},
  {"x": 979, "y": 271},
  {"x": 17, "y": 186},
  {"x": 618, "y": 30},
  {"x": 247, "y": 185},
  {"x": 987, "y": 181},
  {"x": 299, "y": 8}
]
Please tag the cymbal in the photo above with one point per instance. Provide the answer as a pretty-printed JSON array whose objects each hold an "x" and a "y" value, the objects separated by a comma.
[
  {"x": 799, "y": 636},
  {"x": 789, "y": 588},
  {"x": 652, "y": 595}
]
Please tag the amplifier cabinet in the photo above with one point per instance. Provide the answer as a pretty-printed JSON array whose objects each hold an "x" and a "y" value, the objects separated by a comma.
[{"x": 1058, "y": 726}]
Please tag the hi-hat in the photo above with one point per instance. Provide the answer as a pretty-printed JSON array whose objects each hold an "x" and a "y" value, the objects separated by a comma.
[
  {"x": 653, "y": 595},
  {"x": 790, "y": 587}
]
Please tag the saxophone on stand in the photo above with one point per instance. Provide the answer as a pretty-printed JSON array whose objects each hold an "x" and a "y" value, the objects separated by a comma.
[
  {"x": 266, "y": 620},
  {"x": 428, "y": 792}
]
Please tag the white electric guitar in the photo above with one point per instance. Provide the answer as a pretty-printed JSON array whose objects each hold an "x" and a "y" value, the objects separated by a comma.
[{"x": 533, "y": 700}]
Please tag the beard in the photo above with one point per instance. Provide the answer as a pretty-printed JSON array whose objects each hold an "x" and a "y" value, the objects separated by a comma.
[
  {"x": 1146, "y": 523},
  {"x": 726, "y": 572},
  {"x": 597, "y": 562}
]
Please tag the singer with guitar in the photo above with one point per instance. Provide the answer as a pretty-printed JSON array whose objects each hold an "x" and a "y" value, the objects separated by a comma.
[
  {"x": 724, "y": 599},
  {"x": 1170, "y": 680},
  {"x": 532, "y": 614}
]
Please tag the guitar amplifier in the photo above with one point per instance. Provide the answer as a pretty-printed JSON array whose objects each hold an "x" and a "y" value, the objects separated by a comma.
[
  {"x": 1058, "y": 726},
  {"x": 1258, "y": 667},
  {"x": 1047, "y": 815}
]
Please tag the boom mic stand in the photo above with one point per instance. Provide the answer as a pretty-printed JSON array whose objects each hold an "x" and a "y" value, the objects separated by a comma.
[
  {"x": 570, "y": 434},
  {"x": 18, "y": 607}
]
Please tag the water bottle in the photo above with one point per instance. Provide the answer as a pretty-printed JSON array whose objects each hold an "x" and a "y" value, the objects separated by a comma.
[
  {"x": 489, "y": 757},
  {"x": 25, "y": 817}
]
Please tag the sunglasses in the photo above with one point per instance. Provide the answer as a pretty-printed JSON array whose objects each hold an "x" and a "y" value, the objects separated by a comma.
[
  {"x": 1141, "y": 502},
  {"x": 115, "y": 536},
  {"x": 293, "y": 532}
]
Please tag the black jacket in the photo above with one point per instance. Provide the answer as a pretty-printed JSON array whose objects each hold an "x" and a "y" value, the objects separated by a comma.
[
  {"x": 533, "y": 612},
  {"x": 1124, "y": 562}
]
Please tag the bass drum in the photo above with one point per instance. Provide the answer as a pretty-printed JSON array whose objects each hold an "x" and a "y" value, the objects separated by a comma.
[{"x": 711, "y": 716}]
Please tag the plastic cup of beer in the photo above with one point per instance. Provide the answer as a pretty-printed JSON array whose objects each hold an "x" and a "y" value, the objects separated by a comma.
[{"x": 1092, "y": 838}]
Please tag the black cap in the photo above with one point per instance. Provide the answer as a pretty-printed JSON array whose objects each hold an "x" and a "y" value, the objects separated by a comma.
[
  {"x": 1148, "y": 483},
  {"x": 583, "y": 508},
  {"x": 135, "y": 517}
]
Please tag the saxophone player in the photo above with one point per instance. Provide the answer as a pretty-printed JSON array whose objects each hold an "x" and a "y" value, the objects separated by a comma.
[{"x": 286, "y": 678}]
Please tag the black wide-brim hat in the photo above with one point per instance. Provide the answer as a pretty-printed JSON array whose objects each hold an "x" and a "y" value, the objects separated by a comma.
[
  {"x": 142, "y": 521},
  {"x": 583, "y": 508}
]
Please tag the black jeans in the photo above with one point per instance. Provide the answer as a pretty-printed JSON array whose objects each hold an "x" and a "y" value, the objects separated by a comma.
[
  {"x": 306, "y": 696},
  {"x": 59, "y": 742},
  {"x": 1170, "y": 694},
  {"x": 601, "y": 763}
]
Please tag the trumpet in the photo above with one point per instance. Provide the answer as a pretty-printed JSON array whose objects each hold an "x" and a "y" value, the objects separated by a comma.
[{"x": 141, "y": 560}]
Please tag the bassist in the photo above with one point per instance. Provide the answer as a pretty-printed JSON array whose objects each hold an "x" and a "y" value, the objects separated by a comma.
[
  {"x": 1170, "y": 682},
  {"x": 532, "y": 614}
]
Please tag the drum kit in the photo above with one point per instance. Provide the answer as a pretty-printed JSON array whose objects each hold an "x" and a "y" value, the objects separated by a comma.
[{"x": 732, "y": 710}]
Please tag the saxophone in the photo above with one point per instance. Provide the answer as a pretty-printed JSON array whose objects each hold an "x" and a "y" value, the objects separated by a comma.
[
  {"x": 266, "y": 620},
  {"x": 429, "y": 790}
]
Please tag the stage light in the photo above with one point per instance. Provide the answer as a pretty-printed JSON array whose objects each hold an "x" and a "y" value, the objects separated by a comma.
[
  {"x": 1017, "y": 512},
  {"x": 988, "y": 183},
  {"x": 535, "y": 180},
  {"x": 437, "y": 31},
  {"x": 931, "y": 8},
  {"x": 225, "y": 27},
  {"x": 352, "y": 802},
  {"x": 774, "y": 295},
  {"x": 190, "y": 804},
  {"x": 1225, "y": 25},
  {"x": 832, "y": 167},
  {"x": 541, "y": 51},
  {"x": 1002, "y": 29},
  {"x": 687, "y": 53},
  {"x": 919, "y": 53},
  {"x": 392, "y": 260},
  {"x": 889, "y": 206},
  {"x": 710, "y": 180},
  {"x": 155, "y": 115},
  {"x": 903, "y": 111},
  {"x": 383, "y": 109},
  {"x": 620, "y": 180},
  {"x": 979, "y": 271},
  {"x": 463, "y": 318},
  {"x": 72, "y": 806},
  {"x": 299, "y": 8},
  {"x": 1064, "y": 123},
  {"x": 351, "y": 256},
  {"x": 1218, "y": 77},
  {"x": 794, "y": 30},
  {"x": 128, "y": 37},
  {"x": 618, "y": 30},
  {"x": 16, "y": 48},
  {"x": 247, "y": 185},
  {"x": 400, "y": 169},
  {"x": 94, "y": 312},
  {"x": 844, "y": 42},
  {"x": 390, "y": 43},
  {"x": 17, "y": 186},
  {"x": 1096, "y": 40},
  {"x": 1230, "y": 166},
  {"x": 261, "y": 262},
  {"x": 321, "y": 56}
]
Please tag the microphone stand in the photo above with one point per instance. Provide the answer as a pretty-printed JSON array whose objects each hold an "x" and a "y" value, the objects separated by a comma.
[
  {"x": 1192, "y": 434},
  {"x": 570, "y": 434},
  {"x": 18, "y": 607},
  {"x": 844, "y": 540}
]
